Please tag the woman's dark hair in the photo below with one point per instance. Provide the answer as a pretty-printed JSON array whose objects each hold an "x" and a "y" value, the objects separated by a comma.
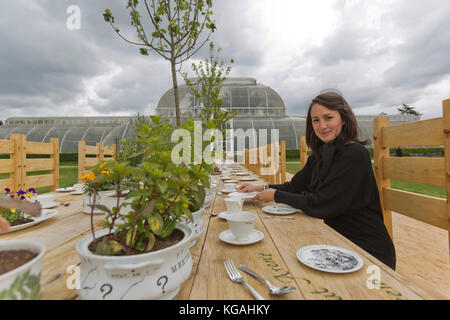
[{"x": 350, "y": 129}]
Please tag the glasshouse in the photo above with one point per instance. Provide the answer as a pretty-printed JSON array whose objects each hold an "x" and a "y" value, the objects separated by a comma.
[{"x": 257, "y": 106}]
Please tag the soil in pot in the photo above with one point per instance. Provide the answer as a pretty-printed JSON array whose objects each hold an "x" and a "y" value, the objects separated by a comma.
[
  {"x": 12, "y": 259},
  {"x": 160, "y": 243}
]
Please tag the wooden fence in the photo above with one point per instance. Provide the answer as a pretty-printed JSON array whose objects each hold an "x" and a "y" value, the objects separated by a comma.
[
  {"x": 430, "y": 171},
  {"x": 266, "y": 163},
  {"x": 19, "y": 164},
  {"x": 86, "y": 153}
]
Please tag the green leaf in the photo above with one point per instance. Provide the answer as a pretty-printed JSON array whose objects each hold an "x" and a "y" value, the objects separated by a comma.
[
  {"x": 151, "y": 242},
  {"x": 156, "y": 223},
  {"x": 168, "y": 227},
  {"x": 103, "y": 208}
]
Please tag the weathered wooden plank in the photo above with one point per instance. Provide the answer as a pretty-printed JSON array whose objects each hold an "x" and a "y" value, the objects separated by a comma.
[
  {"x": 415, "y": 169},
  {"x": 7, "y": 165},
  {"x": 6, "y": 146},
  {"x": 43, "y": 180},
  {"x": 418, "y": 133},
  {"x": 428, "y": 209},
  {"x": 38, "y": 148},
  {"x": 38, "y": 164}
]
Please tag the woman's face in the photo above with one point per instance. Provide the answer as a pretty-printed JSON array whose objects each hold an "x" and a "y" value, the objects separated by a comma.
[{"x": 327, "y": 123}]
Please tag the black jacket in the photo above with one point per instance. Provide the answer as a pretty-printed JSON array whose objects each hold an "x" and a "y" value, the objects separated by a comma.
[{"x": 341, "y": 189}]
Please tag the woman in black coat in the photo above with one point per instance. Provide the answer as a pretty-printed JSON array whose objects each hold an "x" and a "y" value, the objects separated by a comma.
[{"x": 337, "y": 183}]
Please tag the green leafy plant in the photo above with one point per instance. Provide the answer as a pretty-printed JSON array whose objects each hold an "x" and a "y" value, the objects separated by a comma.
[
  {"x": 158, "y": 196},
  {"x": 206, "y": 87},
  {"x": 25, "y": 286}
]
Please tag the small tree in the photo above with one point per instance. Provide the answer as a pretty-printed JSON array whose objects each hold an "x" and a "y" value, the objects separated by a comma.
[
  {"x": 177, "y": 26},
  {"x": 408, "y": 109},
  {"x": 210, "y": 75}
]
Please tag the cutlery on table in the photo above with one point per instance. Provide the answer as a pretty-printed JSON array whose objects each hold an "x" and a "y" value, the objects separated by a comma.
[
  {"x": 236, "y": 276},
  {"x": 272, "y": 289}
]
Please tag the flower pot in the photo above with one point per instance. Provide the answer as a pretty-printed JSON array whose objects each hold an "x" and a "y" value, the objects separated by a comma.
[
  {"x": 196, "y": 225},
  {"x": 152, "y": 275},
  {"x": 101, "y": 198},
  {"x": 23, "y": 282}
]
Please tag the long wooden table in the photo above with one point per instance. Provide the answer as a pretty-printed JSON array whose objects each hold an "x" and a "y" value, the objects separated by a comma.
[{"x": 274, "y": 257}]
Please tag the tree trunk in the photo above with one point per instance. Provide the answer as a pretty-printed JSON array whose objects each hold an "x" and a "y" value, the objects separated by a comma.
[{"x": 175, "y": 92}]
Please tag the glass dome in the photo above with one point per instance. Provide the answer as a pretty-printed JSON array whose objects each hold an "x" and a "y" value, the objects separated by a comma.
[{"x": 242, "y": 95}]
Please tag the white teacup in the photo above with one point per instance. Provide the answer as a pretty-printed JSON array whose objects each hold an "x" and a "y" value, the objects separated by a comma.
[
  {"x": 241, "y": 224},
  {"x": 78, "y": 187},
  {"x": 45, "y": 199},
  {"x": 234, "y": 205}
]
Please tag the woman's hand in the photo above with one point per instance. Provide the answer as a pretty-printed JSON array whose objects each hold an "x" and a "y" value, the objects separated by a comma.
[
  {"x": 249, "y": 187},
  {"x": 267, "y": 195}
]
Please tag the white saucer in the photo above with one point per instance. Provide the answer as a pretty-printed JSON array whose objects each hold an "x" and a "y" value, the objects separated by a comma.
[
  {"x": 223, "y": 215},
  {"x": 277, "y": 209},
  {"x": 49, "y": 205},
  {"x": 248, "y": 179},
  {"x": 67, "y": 189},
  {"x": 228, "y": 237},
  {"x": 245, "y": 195}
]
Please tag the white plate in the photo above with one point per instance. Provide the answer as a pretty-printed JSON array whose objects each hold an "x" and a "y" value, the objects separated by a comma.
[
  {"x": 45, "y": 214},
  {"x": 330, "y": 258},
  {"x": 242, "y": 174},
  {"x": 65, "y": 189},
  {"x": 228, "y": 237},
  {"x": 230, "y": 181},
  {"x": 49, "y": 205},
  {"x": 280, "y": 210},
  {"x": 245, "y": 195},
  {"x": 76, "y": 192},
  {"x": 248, "y": 179},
  {"x": 228, "y": 190}
]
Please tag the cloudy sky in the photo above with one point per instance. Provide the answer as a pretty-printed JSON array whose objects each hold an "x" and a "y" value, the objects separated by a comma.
[{"x": 378, "y": 53}]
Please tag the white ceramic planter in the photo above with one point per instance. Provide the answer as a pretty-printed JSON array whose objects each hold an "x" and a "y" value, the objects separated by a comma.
[
  {"x": 196, "y": 225},
  {"x": 153, "y": 275},
  {"x": 103, "y": 197},
  {"x": 24, "y": 282}
]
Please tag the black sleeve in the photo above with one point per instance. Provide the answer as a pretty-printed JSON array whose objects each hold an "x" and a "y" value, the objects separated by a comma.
[
  {"x": 299, "y": 181},
  {"x": 341, "y": 192}
]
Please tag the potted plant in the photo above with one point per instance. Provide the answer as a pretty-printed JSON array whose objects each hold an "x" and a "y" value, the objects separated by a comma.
[
  {"x": 15, "y": 216},
  {"x": 144, "y": 252},
  {"x": 103, "y": 188}
]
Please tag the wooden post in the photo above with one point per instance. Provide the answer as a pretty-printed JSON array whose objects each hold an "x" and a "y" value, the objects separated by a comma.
[
  {"x": 15, "y": 175},
  {"x": 446, "y": 119},
  {"x": 101, "y": 151},
  {"x": 20, "y": 155},
  {"x": 81, "y": 158},
  {"x": 55, "y": 157},
  {"x": 303, "y": 151},
  {"x": 380, "y": 152},
  {"x": 114, "y": 151},
  {"x": 283, "y": 161}
]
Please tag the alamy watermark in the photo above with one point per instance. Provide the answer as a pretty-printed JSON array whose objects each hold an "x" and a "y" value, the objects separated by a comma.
[
  {"x": 73, "y": 22},
  {"x": 213, "y": 153}
]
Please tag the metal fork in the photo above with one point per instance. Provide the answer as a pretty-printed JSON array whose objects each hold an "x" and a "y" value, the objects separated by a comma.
[
  {"x": 236, "y": 276},
  {"x": 274, "y": 217}
]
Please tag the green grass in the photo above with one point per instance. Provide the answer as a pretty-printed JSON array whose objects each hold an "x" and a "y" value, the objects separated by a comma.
[{"x": 395, "y": 184}]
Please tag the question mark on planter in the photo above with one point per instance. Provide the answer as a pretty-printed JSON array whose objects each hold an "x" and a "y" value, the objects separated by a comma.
[
  {"x": 102, "y": 288},
  {"x": 159, "y": 282}
]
